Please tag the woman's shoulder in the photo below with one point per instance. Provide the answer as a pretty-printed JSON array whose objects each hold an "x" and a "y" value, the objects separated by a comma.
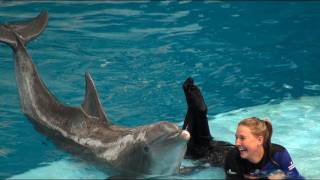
[
  {"x": 280, "y": 154},
  {"x": 277, "y": 148}
]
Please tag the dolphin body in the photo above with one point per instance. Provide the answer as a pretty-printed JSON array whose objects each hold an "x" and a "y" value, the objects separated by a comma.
[{"x": 155, "y": 149}]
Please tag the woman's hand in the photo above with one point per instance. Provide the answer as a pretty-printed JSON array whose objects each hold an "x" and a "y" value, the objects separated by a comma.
[
  {"x": 251, "y": 177},
  {"x": 277, "y": 175}
]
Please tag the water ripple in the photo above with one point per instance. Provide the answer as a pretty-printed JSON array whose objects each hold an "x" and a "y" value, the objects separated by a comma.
[
  {"x": 315, "y": 87},
  {"x": 172, "y": 30}
]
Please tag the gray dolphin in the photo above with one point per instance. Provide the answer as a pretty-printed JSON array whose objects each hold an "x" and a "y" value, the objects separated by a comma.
[{"x": 155, "y": 149}]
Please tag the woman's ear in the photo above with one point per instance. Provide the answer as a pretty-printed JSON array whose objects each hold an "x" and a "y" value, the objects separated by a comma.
[{"x": 260, "y": 140}]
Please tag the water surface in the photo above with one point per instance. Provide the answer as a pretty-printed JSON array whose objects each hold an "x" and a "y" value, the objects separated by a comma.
[{"x": 241, "y": 54}]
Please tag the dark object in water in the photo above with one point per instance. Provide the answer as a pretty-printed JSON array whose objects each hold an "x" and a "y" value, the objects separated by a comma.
[{"x": 201, "y": 145}]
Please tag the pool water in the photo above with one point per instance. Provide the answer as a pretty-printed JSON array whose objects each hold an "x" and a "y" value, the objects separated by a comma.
[{"x": 248, "y": 58}]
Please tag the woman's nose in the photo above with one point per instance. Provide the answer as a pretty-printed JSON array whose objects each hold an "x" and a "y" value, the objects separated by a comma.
[{"x": 237, "y": 142}]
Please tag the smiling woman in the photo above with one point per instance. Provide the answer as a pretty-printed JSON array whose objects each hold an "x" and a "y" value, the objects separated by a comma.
[{"x": 255, "y": 155}]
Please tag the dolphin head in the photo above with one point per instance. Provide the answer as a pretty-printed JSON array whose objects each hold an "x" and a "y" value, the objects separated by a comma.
[
  {"x": 157, "y": 149},
  {"x": 166, "y": 145}
]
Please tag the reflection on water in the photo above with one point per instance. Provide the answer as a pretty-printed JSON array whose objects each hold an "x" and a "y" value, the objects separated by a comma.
[{"x": 4, "y": 152}]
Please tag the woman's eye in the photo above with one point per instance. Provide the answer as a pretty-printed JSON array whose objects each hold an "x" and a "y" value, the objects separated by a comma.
[{"x": 241, "y": 138}]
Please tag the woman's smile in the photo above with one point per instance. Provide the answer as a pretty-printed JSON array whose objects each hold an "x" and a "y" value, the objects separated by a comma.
[{"x": 249, "y": 146}]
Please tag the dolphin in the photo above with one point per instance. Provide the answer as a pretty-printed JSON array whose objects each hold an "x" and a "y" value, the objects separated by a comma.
[
  {"x": 201, "y": 146},
  {"x": 155, "y": 149}
]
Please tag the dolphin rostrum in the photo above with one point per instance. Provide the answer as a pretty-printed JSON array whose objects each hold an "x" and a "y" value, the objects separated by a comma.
[{"x": 155, "y": 149}]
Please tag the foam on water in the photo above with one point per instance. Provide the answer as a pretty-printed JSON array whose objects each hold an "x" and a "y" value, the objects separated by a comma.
[{"x": 69, "y": 169}]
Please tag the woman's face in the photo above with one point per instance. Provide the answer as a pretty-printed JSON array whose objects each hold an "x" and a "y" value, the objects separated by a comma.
[{"x": 249, "y": 145}]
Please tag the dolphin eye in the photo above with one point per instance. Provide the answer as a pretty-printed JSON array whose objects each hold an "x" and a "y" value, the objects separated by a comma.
[{"x": 146, "y": 149}]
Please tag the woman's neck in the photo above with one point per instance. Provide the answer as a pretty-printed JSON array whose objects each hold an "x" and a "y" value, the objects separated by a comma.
[{"x": 256, "y": 158}]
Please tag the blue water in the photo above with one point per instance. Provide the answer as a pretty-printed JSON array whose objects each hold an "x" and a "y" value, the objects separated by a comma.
[{"x": 262, "y": 55}]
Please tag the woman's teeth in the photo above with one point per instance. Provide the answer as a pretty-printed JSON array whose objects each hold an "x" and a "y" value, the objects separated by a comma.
[{"x": 242, "y": 148}]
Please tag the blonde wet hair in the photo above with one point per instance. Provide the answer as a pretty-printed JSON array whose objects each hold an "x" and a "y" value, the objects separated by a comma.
[{"x": 258, "y": 127}]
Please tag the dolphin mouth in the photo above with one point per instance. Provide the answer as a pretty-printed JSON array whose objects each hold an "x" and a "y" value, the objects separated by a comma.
[{"x": 181, "y": 134}]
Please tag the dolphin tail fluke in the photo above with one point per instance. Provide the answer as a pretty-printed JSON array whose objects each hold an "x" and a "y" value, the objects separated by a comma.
[
  {"x": 91, "y": 104},
  {"x": 25, "y": 31}
]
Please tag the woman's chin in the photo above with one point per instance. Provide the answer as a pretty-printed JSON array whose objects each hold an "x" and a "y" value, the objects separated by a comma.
[{"x": 243, "y": 154}]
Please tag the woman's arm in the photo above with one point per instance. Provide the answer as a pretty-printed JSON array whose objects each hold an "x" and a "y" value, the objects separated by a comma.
[{"x": 287, "y": 165}]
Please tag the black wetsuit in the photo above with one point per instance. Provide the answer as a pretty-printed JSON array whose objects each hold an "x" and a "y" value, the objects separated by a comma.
[{"x": 236, "y": 167}]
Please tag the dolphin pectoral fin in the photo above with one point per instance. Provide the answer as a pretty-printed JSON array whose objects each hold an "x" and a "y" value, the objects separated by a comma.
[
  {"x": 91, "y": 104},
  {"x": 26, "y": 30}
]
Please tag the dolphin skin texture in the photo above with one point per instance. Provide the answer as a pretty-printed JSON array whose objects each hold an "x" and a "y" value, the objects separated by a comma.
[
  {"x": 201, "y": 145},
  {"x": 155, "y": 149}
]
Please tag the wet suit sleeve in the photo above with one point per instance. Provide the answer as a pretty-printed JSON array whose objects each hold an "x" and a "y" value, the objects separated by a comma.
[{"x": 287, "y": 165}]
